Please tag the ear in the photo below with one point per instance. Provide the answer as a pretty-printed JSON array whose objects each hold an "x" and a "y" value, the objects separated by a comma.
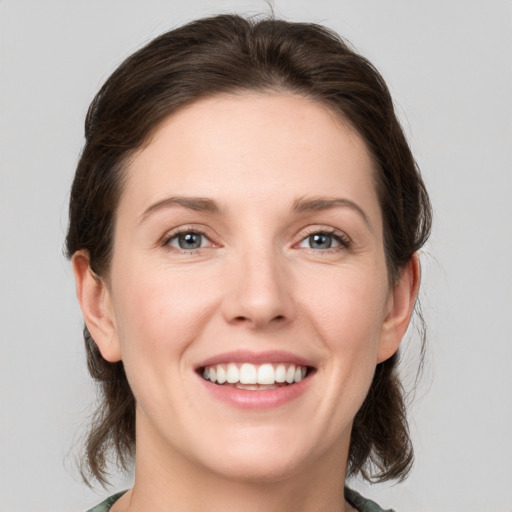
[
  {"x": 95, "y": 301},
  {"x": 399, "y": 310}
]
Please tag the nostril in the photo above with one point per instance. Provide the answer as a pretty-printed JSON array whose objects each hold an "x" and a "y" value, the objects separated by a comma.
[
  {"x": 259, "y": 319},
  {"x": 244, "y": 318}
]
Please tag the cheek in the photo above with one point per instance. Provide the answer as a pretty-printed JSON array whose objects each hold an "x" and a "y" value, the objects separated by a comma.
[
  {"x": 348, "y": 318},
  {"x": 350, "y": 311},
  {"x": 159, "y": 313}
]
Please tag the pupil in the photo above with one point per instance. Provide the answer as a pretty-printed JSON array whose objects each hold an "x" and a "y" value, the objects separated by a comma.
[
  {"x": 320, "y": 241},
  {"x": 189, "y": 241}
]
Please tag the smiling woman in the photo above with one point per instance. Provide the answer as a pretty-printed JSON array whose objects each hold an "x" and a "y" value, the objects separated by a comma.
[{"x": 244, "y": 227}]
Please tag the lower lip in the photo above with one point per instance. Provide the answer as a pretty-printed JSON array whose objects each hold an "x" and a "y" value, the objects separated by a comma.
[{"x": 256, "y": 399}]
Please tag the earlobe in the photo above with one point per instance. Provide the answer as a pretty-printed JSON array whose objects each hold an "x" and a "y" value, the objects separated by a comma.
[
  {"x": 95, "y": 302},
  {"x": 400, "y": 309}
]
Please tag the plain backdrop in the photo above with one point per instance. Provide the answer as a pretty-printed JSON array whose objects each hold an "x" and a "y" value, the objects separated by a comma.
[{"x": 449, "y": 67}]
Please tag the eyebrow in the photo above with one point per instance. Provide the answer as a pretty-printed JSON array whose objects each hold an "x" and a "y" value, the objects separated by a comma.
[
  {"x": 327, "y": 203},
  {"x": 199, "y": 204},
  {"x": 203, "y": 204}
]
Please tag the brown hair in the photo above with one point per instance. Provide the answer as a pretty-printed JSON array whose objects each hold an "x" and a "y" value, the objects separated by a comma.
[{"x": 223, "y": 54}]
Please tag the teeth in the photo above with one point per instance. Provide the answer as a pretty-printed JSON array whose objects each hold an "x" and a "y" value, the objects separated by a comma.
[
  {"x": 250, "y": 376},
  {"x": 255, "y": 387},
  {"x": 232, "y": 374},
  {"x": 266, "y": 374},
  {"x": 221, "y": 374},
  {"x": 280, "y": 373}
]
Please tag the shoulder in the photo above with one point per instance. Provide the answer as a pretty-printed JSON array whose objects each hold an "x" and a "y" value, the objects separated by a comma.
[
  {"x": 362, "y": 504},
  {"x": 353, "y": 497},
  {"x": 104, "y": 506}
]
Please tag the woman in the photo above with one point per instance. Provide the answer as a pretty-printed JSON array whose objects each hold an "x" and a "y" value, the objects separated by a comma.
[{"x": 244, "y": 227}]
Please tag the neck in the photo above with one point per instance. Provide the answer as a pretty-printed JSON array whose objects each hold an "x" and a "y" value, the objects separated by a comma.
[
  {"x": 216, "y": 495},
  {"x": 170, "y": 482}
]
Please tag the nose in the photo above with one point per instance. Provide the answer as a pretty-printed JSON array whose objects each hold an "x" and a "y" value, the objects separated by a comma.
[{"x": 259, "y": 292}]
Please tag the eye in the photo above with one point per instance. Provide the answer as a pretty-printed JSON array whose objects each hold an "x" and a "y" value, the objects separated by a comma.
[
  {"x": 323, "y": 240},
  {"x": 188, "y": 240}
]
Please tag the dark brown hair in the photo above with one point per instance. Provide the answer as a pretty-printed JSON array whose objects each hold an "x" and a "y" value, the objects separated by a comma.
[{"x": 230, "y": 54}]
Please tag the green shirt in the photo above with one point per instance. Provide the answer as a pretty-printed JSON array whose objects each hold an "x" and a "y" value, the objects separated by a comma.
[{"x": 354, "y": 498}]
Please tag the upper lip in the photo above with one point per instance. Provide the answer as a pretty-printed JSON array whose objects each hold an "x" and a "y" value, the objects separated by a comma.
[{"x": 246, "y": 356}]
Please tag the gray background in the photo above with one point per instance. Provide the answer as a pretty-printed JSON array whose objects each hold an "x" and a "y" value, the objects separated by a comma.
[{"x": 449, "y": 67}]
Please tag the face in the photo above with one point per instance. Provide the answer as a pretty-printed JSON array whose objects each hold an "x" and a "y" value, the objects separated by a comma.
[{"x": 248, "y": 295}]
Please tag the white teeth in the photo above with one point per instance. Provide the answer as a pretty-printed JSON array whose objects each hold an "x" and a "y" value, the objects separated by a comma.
[
  {"x": 221, "y": 374},
  {"x": 255, "y": 387},
  {"x": 266, "y": 374},
  {"x": 232, "y": 373},
  {"x": 280, "y": 373},
  {"x": 250, "y": 376}
]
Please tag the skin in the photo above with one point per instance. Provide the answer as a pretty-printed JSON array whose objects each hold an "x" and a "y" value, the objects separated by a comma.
[{"x": 255, "y": 284}]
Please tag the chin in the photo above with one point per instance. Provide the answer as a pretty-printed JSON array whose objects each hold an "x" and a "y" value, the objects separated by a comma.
[
  {"x": 262, "y": 459},
  {"x": 257, "y": 470}
]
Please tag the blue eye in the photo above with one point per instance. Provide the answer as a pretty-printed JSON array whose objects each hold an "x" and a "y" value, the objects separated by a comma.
[
  {"x": 322, "y": 241},
  {"x": 188, "y": 241}
]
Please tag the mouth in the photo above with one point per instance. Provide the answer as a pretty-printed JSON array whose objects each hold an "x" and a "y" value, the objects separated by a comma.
[
  {"x": 256, "y": 380},
  {"x": 255, "y": 377}
]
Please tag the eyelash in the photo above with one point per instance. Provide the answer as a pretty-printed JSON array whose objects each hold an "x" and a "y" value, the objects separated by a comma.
[
  {"x": 166, "y": 242},
  {"x": 342, "y": 239}
]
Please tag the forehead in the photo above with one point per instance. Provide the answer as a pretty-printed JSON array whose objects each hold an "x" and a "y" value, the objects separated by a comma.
[{"x": 251, "y": 146}]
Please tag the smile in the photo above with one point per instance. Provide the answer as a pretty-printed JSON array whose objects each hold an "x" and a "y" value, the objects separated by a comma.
[
  {"x": 256, "y": 380},
  {"x": 254, "y": 377}
]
